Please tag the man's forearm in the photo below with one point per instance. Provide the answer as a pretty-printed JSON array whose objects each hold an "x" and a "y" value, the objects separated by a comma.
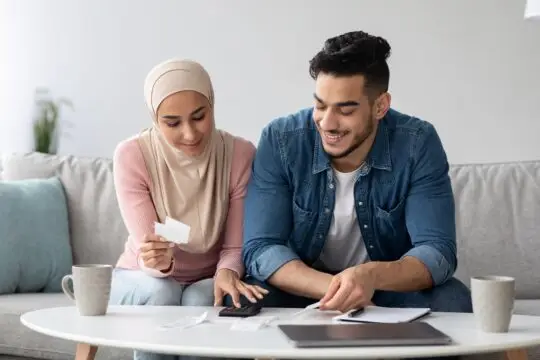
[
  {"x": 406, "y": 274},
  {"x": 297, "y": 278}
]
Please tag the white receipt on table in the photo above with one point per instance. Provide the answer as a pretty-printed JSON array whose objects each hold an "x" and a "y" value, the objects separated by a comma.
[
  {"x": 307, "y": 308},
  {"x": 173, "y": 230},
  {"x": 186, "y": 322},
  {"x": 252, "y": 323}
]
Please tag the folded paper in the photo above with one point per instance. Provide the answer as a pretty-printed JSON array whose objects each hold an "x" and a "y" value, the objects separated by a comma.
[
  {"x": 186, "y": 322},
  {"x": 173, "y": 230}
]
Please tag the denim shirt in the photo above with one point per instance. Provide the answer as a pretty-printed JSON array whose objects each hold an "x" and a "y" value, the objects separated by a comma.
[{"x": 403, "y": 196}]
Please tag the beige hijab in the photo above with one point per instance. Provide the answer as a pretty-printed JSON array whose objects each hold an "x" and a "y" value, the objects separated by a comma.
[{"x": 193, "y": 190}]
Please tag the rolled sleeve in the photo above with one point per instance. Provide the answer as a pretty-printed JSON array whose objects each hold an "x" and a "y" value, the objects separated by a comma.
[
  {"x": 435, "y": 262},
  {"x": 270, "y": 260},
  {"x": 430, "y": 208}
]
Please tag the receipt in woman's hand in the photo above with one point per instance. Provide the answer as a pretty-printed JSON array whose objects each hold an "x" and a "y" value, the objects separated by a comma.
[{"x": 173, "y": 230}]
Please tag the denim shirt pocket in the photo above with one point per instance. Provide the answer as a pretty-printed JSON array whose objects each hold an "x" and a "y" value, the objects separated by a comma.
[
  {"x": 390, "y": 221},
  {"x": 302, "y": 225}
]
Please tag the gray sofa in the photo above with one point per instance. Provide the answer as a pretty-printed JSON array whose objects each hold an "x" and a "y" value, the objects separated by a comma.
[{"x": 498, "y": 220}]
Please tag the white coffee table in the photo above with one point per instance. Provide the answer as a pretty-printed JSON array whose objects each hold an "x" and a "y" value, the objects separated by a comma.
[{"x": 137, "y": 327}]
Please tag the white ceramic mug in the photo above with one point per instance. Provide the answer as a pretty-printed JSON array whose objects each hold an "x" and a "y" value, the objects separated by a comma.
[
  {"x": 91, "y": 288},
  {"x": 493, "y": 302}
]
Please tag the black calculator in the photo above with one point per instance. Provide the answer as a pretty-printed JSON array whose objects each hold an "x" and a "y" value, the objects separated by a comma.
[{"x": 243, "y": 311}]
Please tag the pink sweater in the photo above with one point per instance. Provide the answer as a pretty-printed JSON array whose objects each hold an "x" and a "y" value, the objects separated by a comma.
[{"x": 133, "y": 184}]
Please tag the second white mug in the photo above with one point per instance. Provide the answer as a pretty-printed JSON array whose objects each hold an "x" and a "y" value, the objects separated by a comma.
[{"x": 493, "y": 302}]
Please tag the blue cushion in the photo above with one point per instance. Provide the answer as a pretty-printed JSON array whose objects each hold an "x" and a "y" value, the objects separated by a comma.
[{"x": 35, "y": 252}]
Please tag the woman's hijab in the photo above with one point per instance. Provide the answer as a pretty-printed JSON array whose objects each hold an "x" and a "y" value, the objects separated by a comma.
[{"x": 192, "y": 190}]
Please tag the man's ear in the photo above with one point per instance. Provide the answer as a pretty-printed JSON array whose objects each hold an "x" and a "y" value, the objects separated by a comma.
[{"x": 382, "y": 105}]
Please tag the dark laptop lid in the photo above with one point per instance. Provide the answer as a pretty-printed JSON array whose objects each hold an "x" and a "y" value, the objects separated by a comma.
[{"x": 372, "y": 334}]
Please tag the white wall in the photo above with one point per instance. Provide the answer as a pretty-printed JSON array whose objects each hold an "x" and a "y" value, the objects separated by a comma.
[{"x": 470, "y": 67}]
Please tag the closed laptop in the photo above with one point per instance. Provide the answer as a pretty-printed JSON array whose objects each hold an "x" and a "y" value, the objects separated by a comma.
[{"x": 371, "y": 334}]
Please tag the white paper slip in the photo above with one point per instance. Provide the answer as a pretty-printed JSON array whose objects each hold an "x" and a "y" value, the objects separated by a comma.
[
  {"x": 185, "y": 322},
  {"x": 173, "y": 231},
  {"x": 181, "y": 230},
  {"x": 314, "y": 305},
  {"x": 379, "y": 314},
  {"x": 307, "y": 308},
  {"x": 252, "y": 324},
  {"x": 165, "y": 232}
]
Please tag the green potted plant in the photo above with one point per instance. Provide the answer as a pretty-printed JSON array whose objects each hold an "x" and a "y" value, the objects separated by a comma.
[{"x": 46, "y": 123}]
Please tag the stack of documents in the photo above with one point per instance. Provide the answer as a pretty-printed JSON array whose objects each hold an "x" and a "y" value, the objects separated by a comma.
[{"x": 379, "y": 314}]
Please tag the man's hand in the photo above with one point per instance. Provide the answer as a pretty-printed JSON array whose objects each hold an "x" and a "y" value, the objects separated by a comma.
[
  {"x": 156, "y": 252},
  {"x": 228, "y": 282},
  {"x": 351, "y": 289}
]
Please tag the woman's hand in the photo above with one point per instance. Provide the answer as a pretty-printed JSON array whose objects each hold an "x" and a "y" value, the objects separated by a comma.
[
  {"x": 228, "y": 282},
  {"x": 157, "y": 253}
]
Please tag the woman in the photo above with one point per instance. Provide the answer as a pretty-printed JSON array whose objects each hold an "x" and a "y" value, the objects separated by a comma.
[{"x": 186, "y": 169}]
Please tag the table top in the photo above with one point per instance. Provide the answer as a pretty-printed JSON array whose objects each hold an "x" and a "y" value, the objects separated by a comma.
[{"x": 139, "y": 328}]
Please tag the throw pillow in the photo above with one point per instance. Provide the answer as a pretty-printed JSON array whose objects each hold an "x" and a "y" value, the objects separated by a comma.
[{"x": 35, "y": 252}]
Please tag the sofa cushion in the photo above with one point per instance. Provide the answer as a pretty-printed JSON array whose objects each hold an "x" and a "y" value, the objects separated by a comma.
[
  {"x": 35, "y": 252},
  {"x": 96, "y": 226},
  {"x": 498, "y": 227},
  {"x": 527, "y": 307},
  {"x": 18, "y": 340}
]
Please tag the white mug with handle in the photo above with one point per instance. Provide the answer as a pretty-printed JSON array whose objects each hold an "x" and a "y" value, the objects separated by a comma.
[{"x": 91, "y": 288}]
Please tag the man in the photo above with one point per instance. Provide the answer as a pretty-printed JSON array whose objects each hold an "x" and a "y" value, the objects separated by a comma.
[{"x": 350, "y": 201}]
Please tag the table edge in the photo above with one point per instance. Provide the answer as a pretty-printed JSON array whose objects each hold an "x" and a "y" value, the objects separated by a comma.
[{"x": 293, "y": 352}]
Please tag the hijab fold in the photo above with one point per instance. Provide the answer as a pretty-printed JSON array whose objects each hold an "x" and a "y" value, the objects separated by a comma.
[{"x": 191, "y": 189}]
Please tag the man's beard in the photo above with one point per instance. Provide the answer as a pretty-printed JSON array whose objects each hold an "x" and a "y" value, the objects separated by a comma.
[{"x": 357, "y": 142}]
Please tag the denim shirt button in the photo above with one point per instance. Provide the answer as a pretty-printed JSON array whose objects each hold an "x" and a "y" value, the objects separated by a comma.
[
  {"x": 365, "y": 226},
  {"x": 326, "y": 210},
  {"x": 360, "y": 203},
  {"x": 331, "y": 186}
]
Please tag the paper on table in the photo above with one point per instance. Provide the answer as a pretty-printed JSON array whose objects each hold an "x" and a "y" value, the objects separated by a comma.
[
  {"x": 186, "y": 322},
  {"x": 252, "y": 323},
  {"x": 309, "y": 307},
  {"x": 379, "y": 314},
  {"x": 173, "y": 230}
]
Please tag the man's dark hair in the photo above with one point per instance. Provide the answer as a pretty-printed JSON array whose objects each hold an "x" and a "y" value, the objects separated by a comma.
[{"x": 355, "y": 53}]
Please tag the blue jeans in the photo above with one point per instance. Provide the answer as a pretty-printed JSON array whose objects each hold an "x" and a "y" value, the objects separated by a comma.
[
  {"x": 134, "y": 287},
  {"x": 452, "y": 296}
]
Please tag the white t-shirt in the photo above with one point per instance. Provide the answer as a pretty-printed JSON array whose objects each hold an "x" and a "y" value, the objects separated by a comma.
[{"x": 344, "y": 246}]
